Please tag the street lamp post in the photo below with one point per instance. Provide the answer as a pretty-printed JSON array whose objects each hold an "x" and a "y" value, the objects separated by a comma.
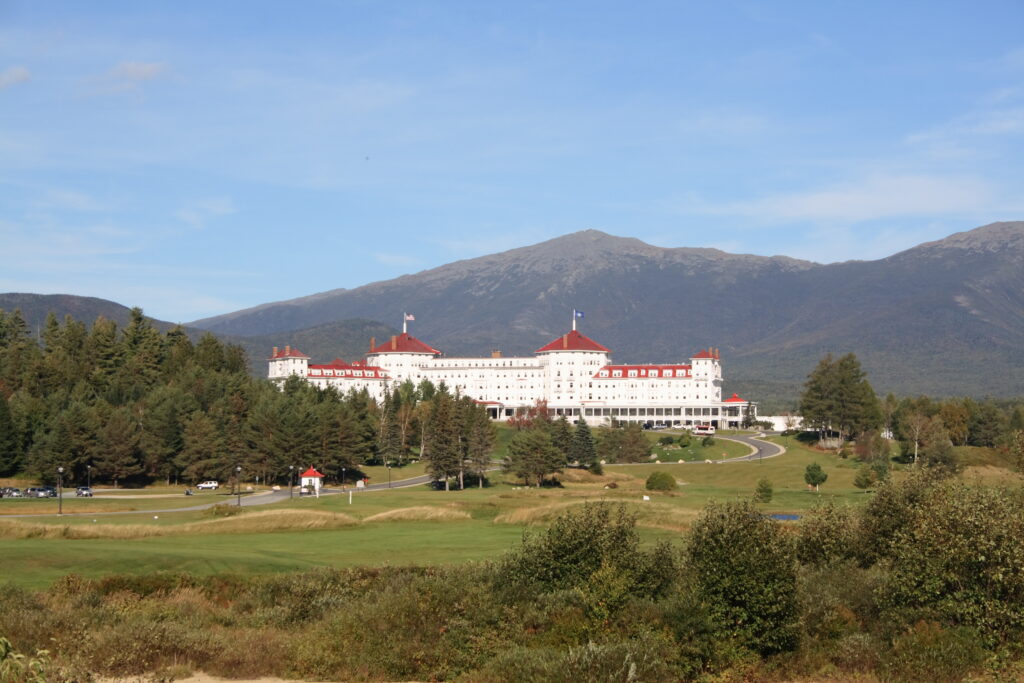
[
  {"x": 60, "y": 490},
  {"x": 88, "y": 476},
  {"x": 389, "y": 475},
  {"x": 291, "y": 478},
  {"x": 238, "y": 484},
  {"x": 342, "y": 477}
]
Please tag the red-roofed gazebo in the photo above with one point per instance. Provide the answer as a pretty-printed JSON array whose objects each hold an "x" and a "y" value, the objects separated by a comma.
[{"x": 311, "y": 480}]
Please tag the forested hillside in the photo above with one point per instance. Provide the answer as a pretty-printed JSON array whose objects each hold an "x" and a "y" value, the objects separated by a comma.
[{"x": 134, "y": 405}]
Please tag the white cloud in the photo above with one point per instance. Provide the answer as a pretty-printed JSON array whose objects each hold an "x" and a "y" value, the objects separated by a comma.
[
  {"x": 13, "y": 75},
  {"x": 879, "y": 196},
  {"x": 197, "y": 214},
  {"x": 128, "y": 76}
]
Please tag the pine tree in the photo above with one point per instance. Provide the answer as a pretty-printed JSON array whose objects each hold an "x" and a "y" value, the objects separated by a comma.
[
  {"x": 201, "y": 455},
  {"x": 118, "y": 454},
  {"x": 10, "y": 446},
  {"x": 444, "y": 456},
  {"x": 479, "y": 440},
  {"x": 582, "y": 449},
  {"x": 532, "y": 456},
  {"x": 837, "y": 396},
  {"x": 634, "y": 446}
]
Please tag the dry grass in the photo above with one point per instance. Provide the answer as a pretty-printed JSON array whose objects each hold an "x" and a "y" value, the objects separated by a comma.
[
  {"x": 420, "y": 513},
  {"x": 989, "y": 475},
  {"x": 650, "y": 514},
  {"x": 578, "y": 476},
  {"x": 254, "y": 522}
]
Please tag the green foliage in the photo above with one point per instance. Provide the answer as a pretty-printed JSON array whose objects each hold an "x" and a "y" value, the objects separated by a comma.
[
  {"x": 10, "y": 446},
  {"x": 707, "y": 441},
  {"x": 930, "y": 652},
  {"x": 18, "y": 668},
  {"x": 744, "y": 570},
  {"x": 960, "y": 559},
  {"x": 623, "y": 444},
  {"x": 826, "y": 535},
  {"x": 532, "y": 456},
  {"x": 666, "y": 441},
  {"x": 764, "y": 491},
  {"x": 837, "y": 396},
  {"x": 578, "y": 545},
  {"x": 865, "y": 478},
  {"x": 661, "y": 481},
  {"x": 815, "y": 476},
  {"x": 582, "y": 449}
]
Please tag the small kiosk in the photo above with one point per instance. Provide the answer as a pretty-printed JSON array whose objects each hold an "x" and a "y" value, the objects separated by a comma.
[{"x": 310, "y": 481}]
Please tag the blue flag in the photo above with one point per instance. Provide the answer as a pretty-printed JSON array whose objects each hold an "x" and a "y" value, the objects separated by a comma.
[{"x": 578, "y": 314}]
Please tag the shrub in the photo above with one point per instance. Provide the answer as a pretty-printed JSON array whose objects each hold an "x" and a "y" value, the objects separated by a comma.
[
  {"x": 744, "y": 569},
  {"x": 666, "y": 441},
  {"x": 222, "y": 510},
  {"x": 826, "y": 534},
  {"x": 661, "y": 481},
  {"x": 707, "y": 441},
  {"x": 764, "y": 491},
  {"x": 929, "y": 652},
  {"x": 578, "y": 544},
  {"x": 960, "y": 560}
]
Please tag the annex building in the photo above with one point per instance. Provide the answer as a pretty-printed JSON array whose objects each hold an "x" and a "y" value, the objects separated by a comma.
[{"x": 573, "y": 373}]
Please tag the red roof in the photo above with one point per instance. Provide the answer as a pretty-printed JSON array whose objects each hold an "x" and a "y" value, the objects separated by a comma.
[
  {"x": 288, "y": 352},
  {"x": 311, "y": 472},
  {"x": 707, "y": 353},
  {"x": 405, "y": 343},
  {"x": 735, "y": 399},
  {"x": 573, "y": 341}
]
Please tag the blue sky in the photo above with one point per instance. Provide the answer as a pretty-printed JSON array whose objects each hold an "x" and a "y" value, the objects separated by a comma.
[{"x": 196, "y": 158}]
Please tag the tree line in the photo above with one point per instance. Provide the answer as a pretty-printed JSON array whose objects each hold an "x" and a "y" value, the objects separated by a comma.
[
  {"x": 839, "y": 402},
  {"x": 134, "y": 405}
]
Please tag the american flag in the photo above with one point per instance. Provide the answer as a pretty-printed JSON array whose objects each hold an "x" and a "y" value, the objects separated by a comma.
[{"x": 410, "y": 316}]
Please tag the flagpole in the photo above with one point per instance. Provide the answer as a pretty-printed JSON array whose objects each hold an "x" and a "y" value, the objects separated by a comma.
[
  {"x": 574, "y": 320},
  {"x": 405, "y": 323}
]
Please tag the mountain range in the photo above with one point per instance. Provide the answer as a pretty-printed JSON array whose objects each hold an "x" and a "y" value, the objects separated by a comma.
[{"x": 943, "y": 318}]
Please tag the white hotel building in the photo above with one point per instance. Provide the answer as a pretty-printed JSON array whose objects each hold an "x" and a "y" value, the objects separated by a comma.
[{"x": 573, "y": 373}]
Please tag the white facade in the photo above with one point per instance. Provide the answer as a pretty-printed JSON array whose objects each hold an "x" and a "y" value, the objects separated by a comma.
[{"x": 574, "y": 374}]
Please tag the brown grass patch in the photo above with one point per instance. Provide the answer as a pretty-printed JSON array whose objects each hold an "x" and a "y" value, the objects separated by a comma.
[
  {"x": 422, "y": 513},
  {"x": 253, "y": 522},
  {"x": 988, "y": 474},
  {"x": 649, "y": 514}
]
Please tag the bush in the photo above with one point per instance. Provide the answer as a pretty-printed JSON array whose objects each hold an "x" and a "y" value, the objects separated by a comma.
[
  {"x": 666, "y": 441},
  {"x": 928, "y": 652},
  {"x": 826, "y": 534},
  {"x": 661, "y": 481},
  {"x": 576, "y": 546},
  {"x": 222, "y": 510},
  {"x": 744, "y": 569},
  {"x": 707, "y": 441},
  {"x": 960, "y": 560},
  {"x": 764, "y": 491}
]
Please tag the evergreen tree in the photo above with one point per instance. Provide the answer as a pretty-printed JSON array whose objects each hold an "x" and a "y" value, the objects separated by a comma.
[
  {"x": 200, "y": 457},
  {"x": 561, "y": 435},
  {"x": 634, "y": 446},
  {"x": 582, "y": 449},
  {"x": 389, "y": 436},
  {"x": 209, "y": 353},
  {"x": 532, "y": 456},
  {"x": 10, "y": 442},
  {"x": 815, "y": 476},
  {"x": 444, "y": 455},
  {"x": 837, "y": 396},
  {"x": 479, "y": 440},
  {"x": 118, "y": 454},
  {"x": 987, "y": 425}
]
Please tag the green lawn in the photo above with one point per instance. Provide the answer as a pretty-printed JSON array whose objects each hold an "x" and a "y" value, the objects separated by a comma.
[{"x": 37, "y": 562}]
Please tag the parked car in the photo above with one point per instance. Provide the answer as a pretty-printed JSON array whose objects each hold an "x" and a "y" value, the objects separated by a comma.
[
  {"x": 36, "y": 492},
  {"x": 208, "y": 485},
  {"x": 50, "y": 492},
  {"x": 83, "y": 492},
  {"x": 13, "y": 492}
]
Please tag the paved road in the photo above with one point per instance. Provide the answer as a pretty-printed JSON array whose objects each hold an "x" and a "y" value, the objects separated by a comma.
[{"x": 759, "y": 451}]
